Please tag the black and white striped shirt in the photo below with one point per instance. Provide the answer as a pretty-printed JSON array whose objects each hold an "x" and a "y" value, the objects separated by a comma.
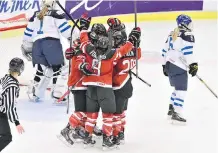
[{"x": 8, "y": 95}]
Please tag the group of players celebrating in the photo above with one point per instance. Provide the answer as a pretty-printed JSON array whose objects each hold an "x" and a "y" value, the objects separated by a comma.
[
  {"x": 100, "y": 69},
  {"x": 106, "y": 80},
  {"x": 100, "y": 78}
]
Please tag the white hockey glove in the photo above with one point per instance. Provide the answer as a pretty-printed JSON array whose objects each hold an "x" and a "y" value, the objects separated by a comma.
[{"x": 26, "y": 49}]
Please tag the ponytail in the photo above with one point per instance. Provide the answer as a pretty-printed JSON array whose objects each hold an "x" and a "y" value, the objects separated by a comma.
[
  {"x": 175, "y": 34},
  {"x": 42, "y": 13}
]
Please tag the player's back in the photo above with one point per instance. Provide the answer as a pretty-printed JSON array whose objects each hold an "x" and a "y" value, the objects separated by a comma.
[
  {"x": 52, "y": 24},
  {"x": 122, "y": 68},
  {"x": 179, "y": 44}
]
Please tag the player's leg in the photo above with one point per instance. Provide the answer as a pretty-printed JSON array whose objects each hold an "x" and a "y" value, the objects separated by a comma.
[
  {"x": 92, "y": 108},
  {"x": 178, "y": 79},
  {"x": 58, "y": 83},
  {"x": 5, "y": 132},
  {"x": 39, "y": 58},
  {"x": 106, "y": 99}
]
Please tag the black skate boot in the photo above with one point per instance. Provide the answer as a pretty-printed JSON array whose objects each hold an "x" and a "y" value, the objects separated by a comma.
[
  {"x": 78, "y": 135},
  {"x": 97, "y": 132},
  {"x": 121, "y": 137},
  {"x": 177, "y": 119},
  {"x": 107, "y": 142},
  {"x": 65, "y": 136},
  {"x": 170, "y": 111},
  {"x": 116, "y": 140},
  {"x": 88, "y": 141}
]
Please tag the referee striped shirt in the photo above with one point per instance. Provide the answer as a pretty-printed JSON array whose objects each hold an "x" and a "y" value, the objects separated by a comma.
[{"x": 9, "y": 92}]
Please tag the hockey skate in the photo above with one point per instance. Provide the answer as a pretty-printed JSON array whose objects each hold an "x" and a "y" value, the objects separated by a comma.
[
  {"x": 65, "y": 136},
  {"x": 78, "y": 135},
  {"x": 108, "y": 143},
  {"x": 97, "y": 132},
  {"x": 88, "y": 141},
  {"x": 177, "y": 119},
  {"x": 121, "y": 137},
  {"x": 170, "y": 111}
]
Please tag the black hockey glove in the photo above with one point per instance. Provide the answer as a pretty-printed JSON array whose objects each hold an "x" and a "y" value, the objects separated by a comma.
[
  {"x": 193, "y": 69},
  {"x": 164, "y": 70},
  {"x": 134, "y": 36},
  {"x": 85, "y": 22},
  {"x": 86, "y": 69}
]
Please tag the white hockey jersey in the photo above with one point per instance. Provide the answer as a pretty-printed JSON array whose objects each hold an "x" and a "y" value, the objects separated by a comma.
[
  {"x": 181, "y": 47},
  {"x": 53, "y": 25}
]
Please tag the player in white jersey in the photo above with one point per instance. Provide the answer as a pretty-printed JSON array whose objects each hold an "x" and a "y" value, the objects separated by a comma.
[
  {"x": 42, "y": 37},
  {"x": 179, "y": 49}
]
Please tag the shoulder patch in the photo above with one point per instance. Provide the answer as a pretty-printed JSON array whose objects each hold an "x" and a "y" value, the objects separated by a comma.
[{"x": 188, "y": 36}]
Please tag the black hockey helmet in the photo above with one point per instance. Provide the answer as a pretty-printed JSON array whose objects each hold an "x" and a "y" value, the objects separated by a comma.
[
  {"x": 99, "y": 29},
  {"x": 119, "y": 38},
  {"x": 16, "y": 65},
  {"x": 102, "y": 45}
]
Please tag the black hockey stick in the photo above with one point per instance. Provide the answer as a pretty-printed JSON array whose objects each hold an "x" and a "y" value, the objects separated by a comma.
[
  {"x": 75, "y": 23},
  {"x": 137, "y": 65},
  {"x": 141, "y": 79},
  {"x": 68, "y": 96}
]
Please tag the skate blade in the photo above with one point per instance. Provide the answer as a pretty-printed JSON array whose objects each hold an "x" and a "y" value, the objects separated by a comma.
[
  {"x": 64, "y": 141},
  {"x": 169, "y": 117},
  {"x": 85, "y": 146},
  {"x": 175, "y": 122},
  {"x": 115, "y": 147}
]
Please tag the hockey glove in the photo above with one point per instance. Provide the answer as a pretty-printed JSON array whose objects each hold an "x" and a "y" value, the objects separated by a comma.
[
  {"x": 86, "y": 69},
  {"x": 164, "y": 70},
  {"x": 85, "y": 22},
  {"x": 114, "y": 23},
  {"x": 69, "y": 53},
  {"x": 193, "y": 69},
  {"x": 134, "y": 36}
]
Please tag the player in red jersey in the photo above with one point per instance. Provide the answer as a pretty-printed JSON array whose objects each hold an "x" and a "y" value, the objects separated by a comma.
[
  {"x": 122, "y": 78},
  {"x": 99, "y": 82}
]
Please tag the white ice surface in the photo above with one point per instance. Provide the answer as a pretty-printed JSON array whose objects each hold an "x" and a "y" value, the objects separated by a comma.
[{"x": 147, "y": 130}]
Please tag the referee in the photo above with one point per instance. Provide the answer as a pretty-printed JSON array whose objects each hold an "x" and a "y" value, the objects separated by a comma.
[{"x": 9, "y": 92}]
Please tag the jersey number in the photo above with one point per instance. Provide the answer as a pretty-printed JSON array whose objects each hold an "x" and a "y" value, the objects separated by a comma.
[
  {"x": 40, "y": 28},
  {"x": 96, "y": 66},
  {"x": 130, "y": 64}
]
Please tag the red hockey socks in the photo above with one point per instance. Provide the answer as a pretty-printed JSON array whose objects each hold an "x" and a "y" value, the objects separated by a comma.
[
  {"x": 107, "y": 126},
  {"x": 116, "y": 124},
  {"x": 76, "y": 119},
  {"x": 90, "y": 122}
]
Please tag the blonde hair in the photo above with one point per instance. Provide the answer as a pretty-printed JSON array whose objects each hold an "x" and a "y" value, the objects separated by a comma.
[
  {"x": 42, "y": 13},
  {"x": 175, "y": 34}
]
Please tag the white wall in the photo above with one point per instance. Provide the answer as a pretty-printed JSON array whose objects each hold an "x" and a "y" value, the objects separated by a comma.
[{"x": 210, "y": 5}]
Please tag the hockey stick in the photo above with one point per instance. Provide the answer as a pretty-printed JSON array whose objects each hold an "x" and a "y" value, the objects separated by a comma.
[
  {"x": 137, "y": 65},
  {"x": 100, "y": 58},
  {"x": 68, "y": 96},
  {"x": 140, "y": 79},
  {"x": 75, "y": 23},
  {"x": 199, "y": 78}
]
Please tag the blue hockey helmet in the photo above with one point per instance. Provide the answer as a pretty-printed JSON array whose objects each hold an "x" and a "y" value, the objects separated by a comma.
[{"x": 185, "y": 22}]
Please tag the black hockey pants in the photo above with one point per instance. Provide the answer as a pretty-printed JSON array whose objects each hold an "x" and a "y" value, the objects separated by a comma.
[{"x": 5, "y": 131}]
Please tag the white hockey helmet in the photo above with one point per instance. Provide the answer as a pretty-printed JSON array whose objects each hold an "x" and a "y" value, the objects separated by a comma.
[{"x": 49, "y": 3}]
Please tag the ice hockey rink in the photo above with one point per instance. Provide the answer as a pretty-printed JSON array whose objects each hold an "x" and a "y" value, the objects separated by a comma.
[{"x": 148, "y": 130}]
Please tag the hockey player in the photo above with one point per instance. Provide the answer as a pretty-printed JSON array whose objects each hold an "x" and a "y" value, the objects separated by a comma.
[
  {"x": 9, "y": 92},
  {"x": 44, "y": 30},
  {"x": 122, "y": 78},
  {"x": 98, "y": 69},
  {"x": 78, "y": 118},
  {"x": 178, "y": 47}
]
